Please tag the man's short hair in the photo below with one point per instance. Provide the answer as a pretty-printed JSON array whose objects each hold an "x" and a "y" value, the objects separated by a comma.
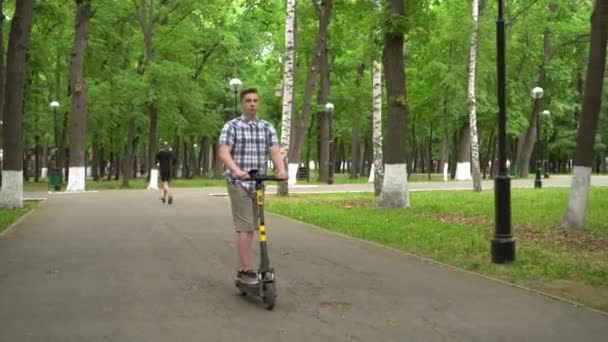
[{"x": 248, "y": 91}]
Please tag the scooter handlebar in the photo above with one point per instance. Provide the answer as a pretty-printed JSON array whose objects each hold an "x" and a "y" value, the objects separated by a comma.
[{"x": 253, "y": 176}]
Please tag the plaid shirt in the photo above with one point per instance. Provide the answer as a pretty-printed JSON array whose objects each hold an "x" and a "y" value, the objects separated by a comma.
[{"x": 249, "y": 142}]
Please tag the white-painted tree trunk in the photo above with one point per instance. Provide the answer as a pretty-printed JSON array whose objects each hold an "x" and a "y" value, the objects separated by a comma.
[
  {"x": 288, "y": 95},
  {"x": 153, "y": 179},
  {"x": 446, "y": 170},
  {"x": 11, "y": 193},
  {"x": 579, "y": 196},
  {"x": 394, "y": 189},
  {"x": 293, "y": 173},
  {"x": 463, "y": 171},
  {"x": 378, "y": 166},
  {"x": 76, "y": 179},
  {"x": 472, "y": 98},
  {"x": 44, "y": 172}
]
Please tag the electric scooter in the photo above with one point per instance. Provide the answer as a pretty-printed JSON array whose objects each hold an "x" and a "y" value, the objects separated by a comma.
[{"x": 266, "y": 286}]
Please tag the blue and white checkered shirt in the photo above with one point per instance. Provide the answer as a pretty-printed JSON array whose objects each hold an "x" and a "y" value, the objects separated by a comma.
[{"x": 249, "y": 142}]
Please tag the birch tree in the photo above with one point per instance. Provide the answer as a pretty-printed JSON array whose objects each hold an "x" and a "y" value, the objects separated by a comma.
[
  {"x": 324, "y": 10},
  {"x": 579, "y": 192},
  {"x": 288, "y": 89},
  {"x": 472, "y": 99},
  {"x": 378, "y": 166}
]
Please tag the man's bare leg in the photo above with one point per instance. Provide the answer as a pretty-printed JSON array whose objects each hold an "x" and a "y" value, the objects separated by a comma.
[
  {"x": 163, "y": 194},
  {"x": 167, "y": 193},
  {"x": 244, "y": 240}
]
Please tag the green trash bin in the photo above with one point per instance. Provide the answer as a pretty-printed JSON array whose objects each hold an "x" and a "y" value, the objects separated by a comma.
[
  {"x": 512, "y": 171},
  {"x": 54, "y": 182}
]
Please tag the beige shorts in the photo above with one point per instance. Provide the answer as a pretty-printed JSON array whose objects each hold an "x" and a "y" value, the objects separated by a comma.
[{"x": 241, "y": 202}]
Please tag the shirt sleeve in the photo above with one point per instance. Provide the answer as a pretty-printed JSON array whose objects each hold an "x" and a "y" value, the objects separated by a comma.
[
  {"x": 272, "y": 136},
  {"x": 227, "y": 136}
]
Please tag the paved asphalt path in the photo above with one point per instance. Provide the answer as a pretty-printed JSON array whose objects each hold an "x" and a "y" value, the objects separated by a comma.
[{"x": 120, "y": 266}]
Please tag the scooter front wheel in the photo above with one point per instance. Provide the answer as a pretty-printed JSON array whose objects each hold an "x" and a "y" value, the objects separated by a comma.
[{"x": 270, "y": 295}]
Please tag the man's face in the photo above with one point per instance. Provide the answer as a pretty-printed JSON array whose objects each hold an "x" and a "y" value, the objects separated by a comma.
[{"x": 250, "y": 103}]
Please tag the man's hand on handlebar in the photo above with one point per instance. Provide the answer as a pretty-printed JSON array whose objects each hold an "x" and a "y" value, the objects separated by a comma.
[
  {"x": 242, "y": 175},
  {"x": 281, "y": 175}
]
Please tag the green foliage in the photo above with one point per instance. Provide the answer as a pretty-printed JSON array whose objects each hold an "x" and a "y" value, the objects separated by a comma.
[{"x": 199, "y": 46}]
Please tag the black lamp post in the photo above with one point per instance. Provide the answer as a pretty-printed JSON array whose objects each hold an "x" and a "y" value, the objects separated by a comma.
[
  {"x": 329, "y": 107},
  {"x": 537, "y": 93},
  {"x": 503, "y": 243},
  {"x": 56, "y": 169},
  {"x": 235, "y": 84}
]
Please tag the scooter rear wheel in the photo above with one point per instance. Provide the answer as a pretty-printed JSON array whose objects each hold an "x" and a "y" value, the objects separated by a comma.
[{"x": 270, "y": 296}]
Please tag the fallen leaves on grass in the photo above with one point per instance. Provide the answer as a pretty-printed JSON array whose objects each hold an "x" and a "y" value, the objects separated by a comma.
[{"x": 564, "y": 238}]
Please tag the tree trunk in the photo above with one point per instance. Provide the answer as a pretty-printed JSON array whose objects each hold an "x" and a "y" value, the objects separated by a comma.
[
  {"x": 2, "y": 69},
  {"x": 192, "y": 159},
  {"x": 526, "y": 142},
  {"x": 11, "y": 192},
  {"x": 472, "y": 98},
  {"x": 217, "y": 163},
  {"x": 200, "y": 158},
  {"x": 186, "y": 162},
  {"x": 444, "y": 154},
  {"x": 463, "y": 169},
  {"x": 62, "y": 151},
  {"x": 117, "y": 167},
  {"x": 489, "y": 160},
  {"x": 102, "y": 162},
  {"x": 355, "y": 144},
  {"x": 324, "y": 115},
  {"x": 78, "y": 92},
  {"x": 36, "y": 159},
  {"x": 205, "y": 156},
  {"x": 304, "y": 121},
  {"x": 127, "y": 164},
  {"x": 288, "y": 91},
  {"x": 135, "y": 160},
  {"x": 575, "y": 216},
  {"x": 377, "y": 123},
  {"x": 394, "y": 192},
  {"x": 146, "y": 18},
  {"x": 96, "y": 158}
]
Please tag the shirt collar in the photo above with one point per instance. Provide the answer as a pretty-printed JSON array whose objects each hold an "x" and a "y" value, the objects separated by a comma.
[{"x": 255, "y": 121}]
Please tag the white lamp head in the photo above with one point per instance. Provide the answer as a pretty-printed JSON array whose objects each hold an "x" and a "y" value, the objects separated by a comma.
[
  {"x": 235, "y": 83},
  {"x": 537, "y": 92}
]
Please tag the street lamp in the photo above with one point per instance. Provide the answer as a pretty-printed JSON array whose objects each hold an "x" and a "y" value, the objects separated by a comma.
[
  {"x": 537, "y": 94},
  {"x": 543, "y": 156},
  {"x": 235, "y": 84},
  {"x": 329, "y": 108},
  {"x": 54, "y": 105},
  {"x": 503, "y": 243}
]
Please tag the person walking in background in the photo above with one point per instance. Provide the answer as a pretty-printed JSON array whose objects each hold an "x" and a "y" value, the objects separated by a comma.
[{"x": 165, "y": 159}]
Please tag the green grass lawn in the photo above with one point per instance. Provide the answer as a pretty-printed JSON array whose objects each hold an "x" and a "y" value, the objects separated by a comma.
[
  {"x": 7, "y": 217},
  {"x": 455, "y": 227}
]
